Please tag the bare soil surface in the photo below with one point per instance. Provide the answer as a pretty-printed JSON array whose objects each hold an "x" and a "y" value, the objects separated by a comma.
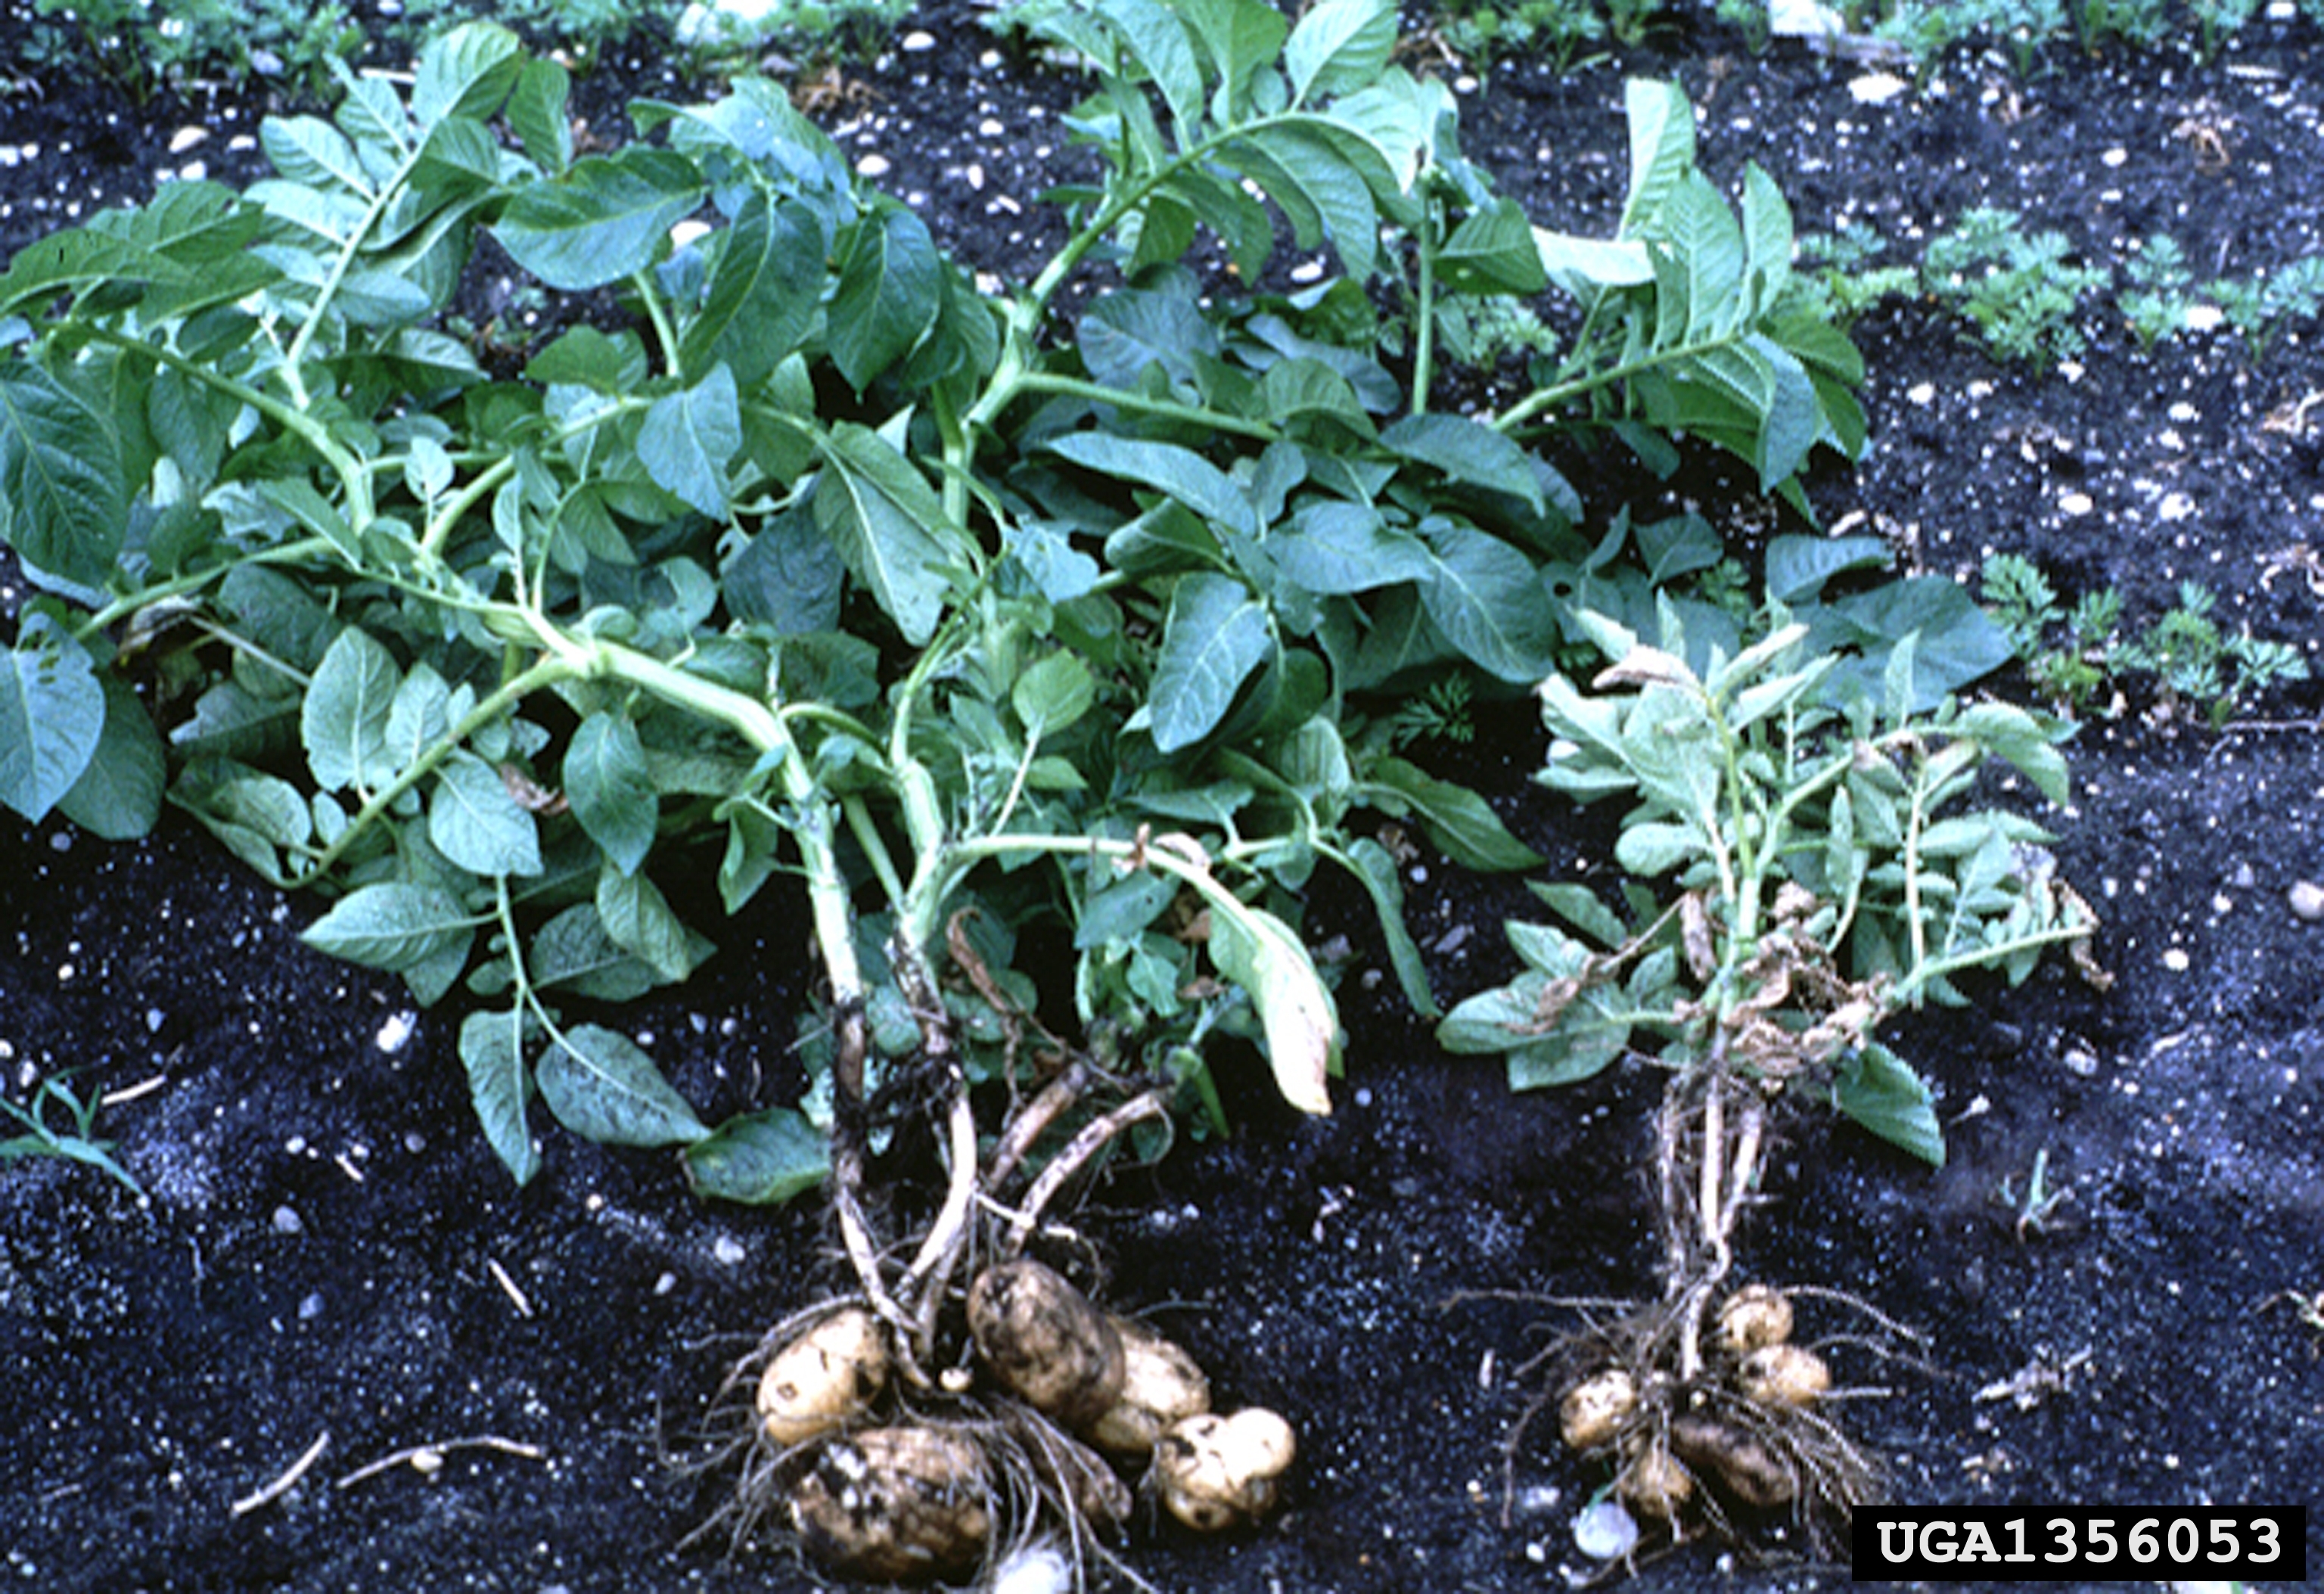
[{"x": 328, "y": 1258}]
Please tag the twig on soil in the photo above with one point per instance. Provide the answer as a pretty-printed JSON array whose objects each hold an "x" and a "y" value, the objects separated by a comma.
[
  {"x": 288, "y": 1482},
  {"x": 517, "y": 1296},
  {"x": 426, "y": 1458}
]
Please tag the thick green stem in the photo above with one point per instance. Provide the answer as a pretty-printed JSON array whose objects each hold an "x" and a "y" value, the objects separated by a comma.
[
  {"x": 1423, "y": 335},
  {"x": 1549, "y": 398},
  {"x": 665, "y": 331},
  {"x": 1042, "y": 382},
  {"x": 352, "y": 474},
  {"x": 1027, "y": 311}
]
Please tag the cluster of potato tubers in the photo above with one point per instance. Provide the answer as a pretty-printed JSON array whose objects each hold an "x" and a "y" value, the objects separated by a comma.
[
  {"x": 1662, "y": 1458},
  {"x": 914, "y": 1501}
]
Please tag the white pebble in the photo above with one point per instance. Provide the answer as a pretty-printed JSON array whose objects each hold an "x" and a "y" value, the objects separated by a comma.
[
  {"x": 395, "y": 1032},
  {"x": 1038, "y": 1568},
  {"x": 1605, "y": 1532},
  {"x": 2076, "y": 503},
  {"x": 186, "y": 138},
  {"x": 1922, "y": 392},
  {"x": 287, "y": 1222},
  {"x": 2308, "y": 901},
  {"x": 2205, "y": 317},
  {"x": 918, "y": 40},
  {"x": 728, "y": 1251},
  {"x": 874, "y": 165},
  {"x": 992, "y": 127},
  {"x": 2175, "y": 506},
  {"x": 1876, "y": 89},
  {"x": 2175, "y": 959},
  {"x": 2114, "y": 157}
]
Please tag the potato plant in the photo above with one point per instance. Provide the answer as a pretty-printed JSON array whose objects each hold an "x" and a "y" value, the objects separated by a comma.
[
  {"x": 971, "y": 618},
  {"x": 1795, "y": 878}
]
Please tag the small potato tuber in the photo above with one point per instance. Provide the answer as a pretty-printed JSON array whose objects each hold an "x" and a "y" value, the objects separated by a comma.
[
  {"x": 1784, "y": 1375},
  {"x": 1594, "y": 1410},
  {"x": 1755, "y": 1316},
  {"x": 1161, "y": 1384},
  {"x": 1656, "y": 1484},
  {"x": 1045, "y": 1342},
  {"x": 1215, "y": 1473},
  {"x": 896, "y": 1504},
  {"x": 1751, "y": 1472},
  {"x": 830, "y": 1373}
]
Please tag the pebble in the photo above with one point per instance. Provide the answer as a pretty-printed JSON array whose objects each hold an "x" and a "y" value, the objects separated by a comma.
[
  {"x": 2175, "y": 959},
  {"x": 992, "y": 127},
  {"x": 728, "y": 1251},
  {"x": 311, "y": 1308},
  {"x": 918, "y": 40},
  {"x": 874, "y": 165},
  {"x": 1876, "y": 89},
  {"x": 287, "y": 1222},
  {"x": 2205, "y": 317},
  {"x": 1924, "y": 394},
  {"x": 2175, "y": 506},
  {"x": 395, "y": 1032},
  {"x": 186, "y": 138},
  {"x": 2308, "y": 901},
  {"x": 2114, "y": 157},
  {"x": 2076, "y": 503}
]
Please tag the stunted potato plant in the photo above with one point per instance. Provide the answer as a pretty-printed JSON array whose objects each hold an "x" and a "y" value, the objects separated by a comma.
[
  {"x": 1796, "y": 874},
  {"x": 787, "y": 552}
]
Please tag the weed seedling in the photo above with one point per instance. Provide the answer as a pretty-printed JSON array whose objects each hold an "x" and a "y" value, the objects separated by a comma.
[
  {"x": 2017, "y": 289},
  {"x": 2038, "y": 1204},
  {"x": 78, "y": 1143},
  {"x": 2195, "y": 663},
  {"x": 2161, "y": 291},
  {"x": 2066, "y": 656}
]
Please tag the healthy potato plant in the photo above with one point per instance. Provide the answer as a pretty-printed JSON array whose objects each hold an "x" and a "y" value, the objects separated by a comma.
[{"x": 974, "y": 620}]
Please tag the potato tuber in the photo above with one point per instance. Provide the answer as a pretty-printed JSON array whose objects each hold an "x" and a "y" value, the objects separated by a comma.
[
  {"x": 1046, "y": 1343},
  {"x": 1784, "y": 1375},
  {"x": 1751, "y": 1472},
  {"x": 896, "y": 1504},
  {"x": 1755, "y": 1316},
  {"x": 829, "y": 1375},
  {"x": 1656, "y": 1484},
  {"x": 1215, "y": 1473},
  {"x": 1594, "y": 1410},
  {"x": 1160, "y": 1385}
]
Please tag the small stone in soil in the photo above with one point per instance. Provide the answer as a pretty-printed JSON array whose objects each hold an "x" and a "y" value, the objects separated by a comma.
[{"x": 2308, "y": 901}]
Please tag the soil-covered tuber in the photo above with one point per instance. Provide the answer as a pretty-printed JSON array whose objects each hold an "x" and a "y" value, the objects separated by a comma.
[
  {"x": 1755, "y": 1316},
  {"x": 1215, "y": 1473},
  {"x": 1160, "y": 1385},
  {"x": 896, "y": 1504},
  {"x": 1656, "y": 1484},
  {"x": 1784, "y": 1375},
  {"x": 1594, "y": 1410},
  {"x": 1046, "y": 1343},
  {"x": 1751, "y": 1472},
  {"x": 827, "y": 1375}
]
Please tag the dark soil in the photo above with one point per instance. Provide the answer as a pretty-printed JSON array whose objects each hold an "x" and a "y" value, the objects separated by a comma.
[{"x": 328, "y": 1254}]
